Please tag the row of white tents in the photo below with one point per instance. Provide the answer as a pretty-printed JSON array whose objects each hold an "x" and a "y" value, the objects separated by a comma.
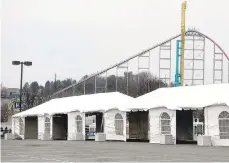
[{"x": 213, "y": 98}]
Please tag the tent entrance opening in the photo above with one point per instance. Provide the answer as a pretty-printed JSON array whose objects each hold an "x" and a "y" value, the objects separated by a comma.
[
  {"x": 60, "y": 127},
  {"x": 138, "y": 123},
  {"x": 189, "y": 124},
  {"x": 93, "y": 126},
  {"x": 184, "y": 127},
  {"x": 31, "y": 127}
]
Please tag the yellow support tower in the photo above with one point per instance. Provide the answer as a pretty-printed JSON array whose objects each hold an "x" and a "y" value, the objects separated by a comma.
[{"x": 182, "y": 43}]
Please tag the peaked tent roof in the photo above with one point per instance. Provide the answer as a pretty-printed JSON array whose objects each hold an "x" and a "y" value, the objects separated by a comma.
[
  {"x": 84, "y": 103},
  {"x": 175, "y": 98}
]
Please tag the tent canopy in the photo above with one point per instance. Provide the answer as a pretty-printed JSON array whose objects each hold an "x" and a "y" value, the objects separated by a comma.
[
  {"x": 100, "y": 102},
  {"x": 173, "y": 98},
  {"x": 177, "y": 98}
]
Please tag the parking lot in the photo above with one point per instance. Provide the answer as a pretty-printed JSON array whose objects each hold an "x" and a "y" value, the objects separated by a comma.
[{"x": 51, "y": 151}]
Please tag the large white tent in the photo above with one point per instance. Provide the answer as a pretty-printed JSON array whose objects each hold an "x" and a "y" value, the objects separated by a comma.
[
  {"x": 177, "y": 98},
  {"x": 85, "y": 103},
  {"x": 109, "y": 104},
  {"x": 214, "y": 98}
]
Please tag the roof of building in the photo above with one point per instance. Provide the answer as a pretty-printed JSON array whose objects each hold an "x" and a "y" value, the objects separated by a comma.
[
  {"x": 100, "y": 102},
  {"x": 13, "y": 90},
  {"x": 185, "y": 97}
]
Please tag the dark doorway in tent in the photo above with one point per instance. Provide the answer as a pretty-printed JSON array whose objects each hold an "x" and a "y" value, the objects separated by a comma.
[
  {"x": 94, "y": 124},
  {"x": 184, "y": 127},
  {"x": 189, "y": 124},
  {"x": 138, "y": 122},
  {"x": 31, "y": 127},
  {"x": 60, "y": 127}
]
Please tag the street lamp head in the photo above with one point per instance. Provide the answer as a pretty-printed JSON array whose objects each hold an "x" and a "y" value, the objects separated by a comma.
[
  {"x": 28, "y": 63},
  {"x": 16, "y": 62}
]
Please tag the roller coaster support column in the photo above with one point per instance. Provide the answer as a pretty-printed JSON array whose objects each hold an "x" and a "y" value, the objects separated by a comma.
[
  {"x": 177, "y": 75},
  {"x": 182, "y": 43}
]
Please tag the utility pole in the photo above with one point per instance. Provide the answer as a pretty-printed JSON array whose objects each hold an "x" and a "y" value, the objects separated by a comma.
[
  {"x": 183, "y": 33},
  {"x": 21, "y": 86},
  {"x": 55, "y": 78},
  {"x": 55, "y": 83}
]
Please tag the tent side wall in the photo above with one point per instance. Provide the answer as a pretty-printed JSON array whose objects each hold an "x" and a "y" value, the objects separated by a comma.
[
  {"x": 42, "y": 135},
  {"x": 41, "y": 127},
  {"x": 51, "y": 126},
  {"x": 16, "y": 127},
  {"x": 72, "y": 128},
  {"x": 109, "y": 125},
  {"x": 154, "y": 124},
  {"x": 211, "y": 114},
  {"x": 14, "y": 120}
]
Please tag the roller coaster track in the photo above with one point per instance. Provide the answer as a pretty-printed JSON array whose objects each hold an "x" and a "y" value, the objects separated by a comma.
[{"x": 188, "y": 33}]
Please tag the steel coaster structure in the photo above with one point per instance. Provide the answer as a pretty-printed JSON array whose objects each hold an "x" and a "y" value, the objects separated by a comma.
[
  {"x": 196, "y": 66},
  {"x": 196, "y": 61}
]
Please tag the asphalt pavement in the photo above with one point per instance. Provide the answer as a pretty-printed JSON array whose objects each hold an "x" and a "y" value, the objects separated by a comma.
[{"x": 74, "y": 151}]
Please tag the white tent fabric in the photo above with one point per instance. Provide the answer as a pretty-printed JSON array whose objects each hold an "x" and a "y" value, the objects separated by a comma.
[
  {"x": 84, "y": 103},
  {"x": 175, "y": 98}
]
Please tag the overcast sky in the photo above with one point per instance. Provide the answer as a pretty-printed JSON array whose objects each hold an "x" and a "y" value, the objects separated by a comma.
[{"x": 72, "y": 38}]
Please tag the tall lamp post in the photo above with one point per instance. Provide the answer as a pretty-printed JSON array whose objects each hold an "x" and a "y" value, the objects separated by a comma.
[{"x": 26, "y": 63}]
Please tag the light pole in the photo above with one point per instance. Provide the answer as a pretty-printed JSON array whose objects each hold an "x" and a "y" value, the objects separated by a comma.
[{"x": 26, "y": 63}]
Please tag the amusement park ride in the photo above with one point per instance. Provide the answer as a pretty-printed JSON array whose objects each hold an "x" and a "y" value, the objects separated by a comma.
[
  {"x": 191, "y": 65},
  {"x": 181, "y": 54}
]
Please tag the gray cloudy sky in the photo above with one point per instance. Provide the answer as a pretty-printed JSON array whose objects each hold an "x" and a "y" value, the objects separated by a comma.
[{"x": 72, "y": 38}]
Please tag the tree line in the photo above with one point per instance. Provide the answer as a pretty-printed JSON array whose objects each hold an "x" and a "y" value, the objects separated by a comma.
[
  {"x": 137, "y": 85},
  {"x": 132, "y": 84},
  {"x": 35, "y": 94}
]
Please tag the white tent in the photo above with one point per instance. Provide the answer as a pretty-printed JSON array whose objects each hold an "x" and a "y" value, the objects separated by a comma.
[
  {"x": 84, "y": 103},
  {"x": 213, "y": 97},
  {"x": 109, "y": 103},
  {"x": 175, "y": 98},
  {"x": 171, "y": 98}
]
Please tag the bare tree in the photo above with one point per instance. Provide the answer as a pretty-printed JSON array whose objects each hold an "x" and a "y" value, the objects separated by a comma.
[{"x": 4, "y": 112}]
